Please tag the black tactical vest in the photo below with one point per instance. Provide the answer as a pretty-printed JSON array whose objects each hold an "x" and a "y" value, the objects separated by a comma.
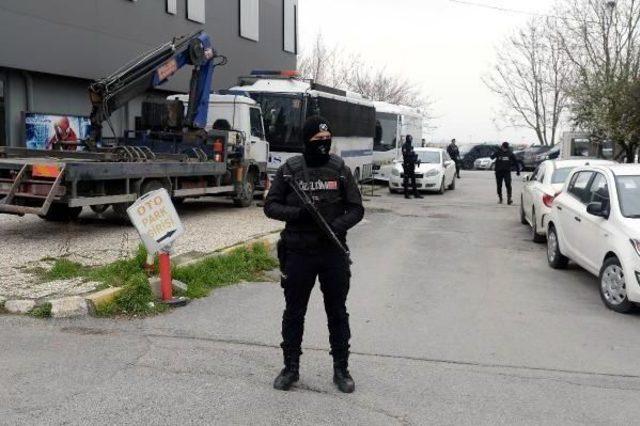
[{"x": 325, "y": 185}]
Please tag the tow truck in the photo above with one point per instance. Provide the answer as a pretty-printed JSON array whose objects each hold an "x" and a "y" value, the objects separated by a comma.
[{"x": 171, "y": 148}]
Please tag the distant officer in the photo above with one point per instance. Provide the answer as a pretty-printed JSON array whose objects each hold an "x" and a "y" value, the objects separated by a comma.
[
  {"x": 505, "y": 161},
  {"x": 454, "y": 153},
  {"x": 409, "y": 162},
  {"x": 306, "y": 253}
]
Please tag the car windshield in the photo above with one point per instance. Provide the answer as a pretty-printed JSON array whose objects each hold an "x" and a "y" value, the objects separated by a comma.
[
  {"x": 629, "y": 195},
  {"x": 560, "y": 175},
  {"x": 429, "y": 157}
]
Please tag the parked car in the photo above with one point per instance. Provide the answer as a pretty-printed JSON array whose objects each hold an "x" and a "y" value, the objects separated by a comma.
[
  {"x": 436, "y": 172},
  {"x": 485, "y": 163},
  {"x": 475, "y": 152},
  {"x": 533, "y": 156},
  {"x": 595, "y": 221},
  {"x": 541, "y": 187}
]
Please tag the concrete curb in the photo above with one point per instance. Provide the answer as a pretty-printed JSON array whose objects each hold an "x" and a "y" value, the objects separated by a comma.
[
  {"x": 69, "y": 307},
  {"x": 19, "y": 306}
]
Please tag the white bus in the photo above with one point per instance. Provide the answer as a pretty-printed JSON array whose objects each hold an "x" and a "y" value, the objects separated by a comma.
[
  {"x": 287, "y": 102},
  {"x": 393, "y": 124}
]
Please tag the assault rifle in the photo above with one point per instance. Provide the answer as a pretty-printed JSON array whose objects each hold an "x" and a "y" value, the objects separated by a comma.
[{"x": 317, "y": 217}]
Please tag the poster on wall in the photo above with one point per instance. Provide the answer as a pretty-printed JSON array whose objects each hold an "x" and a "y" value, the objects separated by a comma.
[{"x": 51, "y": 131}]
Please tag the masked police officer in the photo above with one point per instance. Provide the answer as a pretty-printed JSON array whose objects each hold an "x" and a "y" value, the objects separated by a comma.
[
  {"x": 409, "y": 161},
  {"x": 306, "y": 253},
  {"x": 454, "y": 153},
  {"x": 505, "y": 161}
]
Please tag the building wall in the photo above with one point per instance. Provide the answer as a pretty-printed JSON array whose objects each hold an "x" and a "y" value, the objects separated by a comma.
[{"x": 57, "y": 48}]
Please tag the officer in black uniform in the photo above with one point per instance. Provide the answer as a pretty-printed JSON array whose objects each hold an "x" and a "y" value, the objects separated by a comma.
[
  {"x": 454, "y": 153},
  {"x": 306, "y": 253},
  {"x": 409, "y": 161},
  {"x": 505, "y": 161}
]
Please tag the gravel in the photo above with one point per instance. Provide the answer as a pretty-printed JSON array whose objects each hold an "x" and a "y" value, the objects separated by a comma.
[{"x": 27, "y": 242}]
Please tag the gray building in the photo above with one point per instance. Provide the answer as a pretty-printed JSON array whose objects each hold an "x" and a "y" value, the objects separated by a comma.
[{"x": 51, "y": 50}]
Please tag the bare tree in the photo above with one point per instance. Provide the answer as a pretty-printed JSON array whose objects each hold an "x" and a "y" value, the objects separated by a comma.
[
  {"x": 530, "y": 77},
  {"x": 602, "y": 41},
  {"x": 336, "y": 67}
]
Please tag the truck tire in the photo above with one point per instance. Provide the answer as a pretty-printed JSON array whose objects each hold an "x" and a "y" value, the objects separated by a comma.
[
  {"x": 101, "y": 208},
  {"x": 246, "y": 198},
  {"x": 62, "y": 213},
  {"x": 120, "y": 209}
]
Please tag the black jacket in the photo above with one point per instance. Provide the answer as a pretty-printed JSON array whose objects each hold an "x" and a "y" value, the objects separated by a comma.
[
  {"x": 453, "y": 152},
  {"x": 409, "y": 156},
  {"x": 505, "y": 160},
  {"x": 334, "y": 192}
]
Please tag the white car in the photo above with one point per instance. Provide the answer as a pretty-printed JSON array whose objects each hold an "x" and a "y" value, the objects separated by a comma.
[
  {"x": 541, "y": 187},
  {"x": 436, "y": 172},
  {"x": 595, "y": 221},
  {"x": 485, "y": 163}
]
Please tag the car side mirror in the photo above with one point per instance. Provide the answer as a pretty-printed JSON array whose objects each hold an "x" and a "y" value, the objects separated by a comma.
[
  {"x": 597, "y": 209},
  {"x": 448, "y": 163}
]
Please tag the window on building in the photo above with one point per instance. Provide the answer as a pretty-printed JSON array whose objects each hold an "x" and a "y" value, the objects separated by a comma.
[
  {"x": 3, "y": 137},
  {"x": 250, "y": 19},
  {"x": 291, "y": 26},
  {"x": 196, "y": 10},
  {"x": 172, "y": 6}
]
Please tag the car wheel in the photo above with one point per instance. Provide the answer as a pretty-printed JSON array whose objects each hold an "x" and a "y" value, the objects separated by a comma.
[
  {"x": 556, "y": 259},
  {"x": 537, "y": 238},
  {"x": 613, "y": 290},
  {"x": 523, "y": 217},
  {"x": 442, "y": 187},
  {"x": 453, "y": 184},
  {"x": 493, "y": 167},
  {"x": 392, "y": 191}
]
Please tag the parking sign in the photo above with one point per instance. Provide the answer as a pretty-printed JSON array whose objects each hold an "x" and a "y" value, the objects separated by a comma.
[{"x": 156, "y": 220}]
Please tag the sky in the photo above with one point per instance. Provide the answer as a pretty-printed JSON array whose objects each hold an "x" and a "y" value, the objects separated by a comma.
[{"x": 443, "y": 46}]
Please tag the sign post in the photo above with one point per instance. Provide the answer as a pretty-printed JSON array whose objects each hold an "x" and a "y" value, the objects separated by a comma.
[{"x": 159, "y": 225}]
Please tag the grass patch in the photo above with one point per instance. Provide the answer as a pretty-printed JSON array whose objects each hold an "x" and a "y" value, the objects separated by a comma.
[
  {"x": 137, "y": 299},
  {"x": 242, "y": 264},
  {"x": 42, "y": 311}
]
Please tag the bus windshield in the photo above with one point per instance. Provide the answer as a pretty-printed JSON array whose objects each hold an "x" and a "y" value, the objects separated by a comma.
[{"x": 282, "y": 120}]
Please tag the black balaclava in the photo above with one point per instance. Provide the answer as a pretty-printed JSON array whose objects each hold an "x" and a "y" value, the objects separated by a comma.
[
  {"x": 505, "y": 146},
  {"x": 316, "y": 153}
]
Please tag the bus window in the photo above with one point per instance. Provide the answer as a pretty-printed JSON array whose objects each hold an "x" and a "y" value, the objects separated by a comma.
[
  {"x": 389, "y": 127},
  {"x": 282, "y": 120},
  {"x": 347, "y": 119}
]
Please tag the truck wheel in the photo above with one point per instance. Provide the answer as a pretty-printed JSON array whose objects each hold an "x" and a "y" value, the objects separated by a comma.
[
  {"x": 99, "y": 209},
  {"x": 245, "y": 199},
  {"x": 120, "y": 209},
  {"x": 62, "y": 213}
]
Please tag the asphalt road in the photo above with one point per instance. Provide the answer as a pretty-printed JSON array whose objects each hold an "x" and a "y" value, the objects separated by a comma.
[{"x": 456, "y": 319}]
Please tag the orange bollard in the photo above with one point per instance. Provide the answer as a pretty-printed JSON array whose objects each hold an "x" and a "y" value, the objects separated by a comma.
[{"x": 164, "y": 264}]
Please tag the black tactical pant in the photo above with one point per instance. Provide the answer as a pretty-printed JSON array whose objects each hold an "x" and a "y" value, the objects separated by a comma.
[
  {"x": 503, "y": 176},
  {"x": 458, "y": 167},
  {"x": 301, "y": 271},
  {"x": 409, "y": 174}
]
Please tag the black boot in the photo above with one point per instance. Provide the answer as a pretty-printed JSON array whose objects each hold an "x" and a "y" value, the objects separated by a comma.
[
  {"x": 500, "y": 199},
  {"x": 509, "y": 201},
  {"x": 407, "y": 196},
  {"x": 342, "y": 378},
  {"x": 417, "y": 195},
  {"x": 289, "y": 374}
]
